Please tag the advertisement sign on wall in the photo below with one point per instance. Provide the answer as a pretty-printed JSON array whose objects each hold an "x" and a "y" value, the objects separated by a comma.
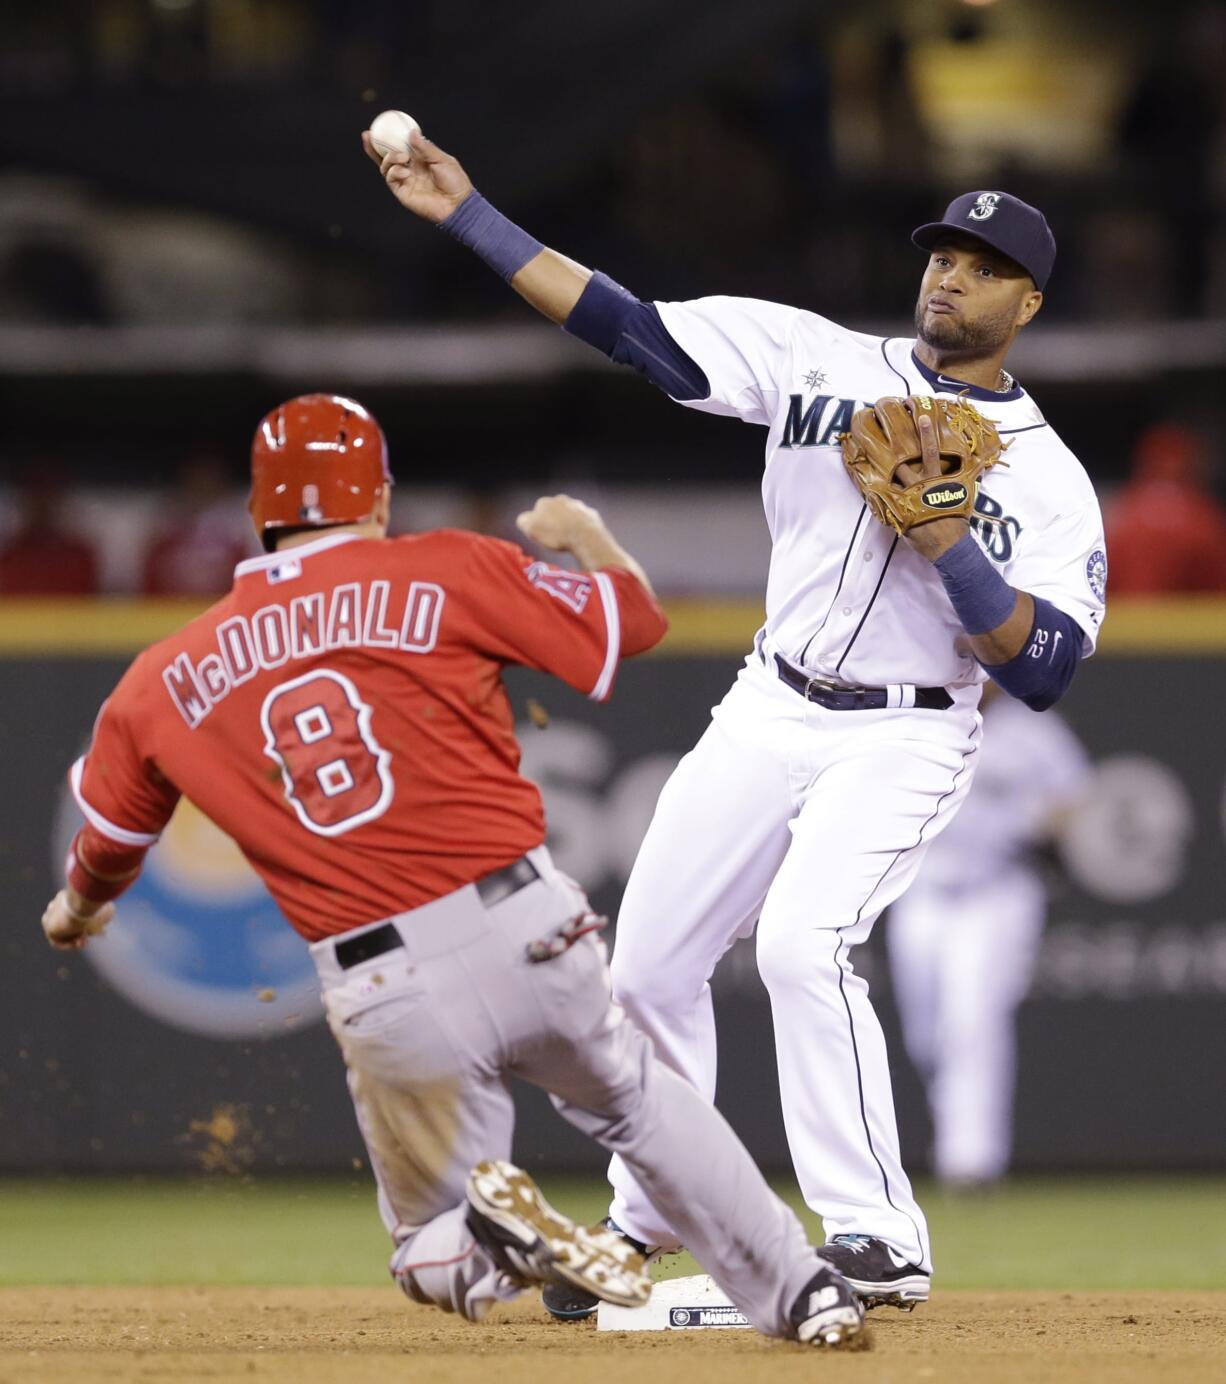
[{"x": 201, "y": 997}]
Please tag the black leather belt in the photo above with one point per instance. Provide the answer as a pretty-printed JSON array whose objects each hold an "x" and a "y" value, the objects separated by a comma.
[
  {"x": 492, "y": 889},
  {"x": 501, "y": 884},
  {"x": 835, "y": 698}
]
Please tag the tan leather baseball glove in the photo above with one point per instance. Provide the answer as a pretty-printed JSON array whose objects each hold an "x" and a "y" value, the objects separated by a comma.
[{"x": 910, "y": 475}]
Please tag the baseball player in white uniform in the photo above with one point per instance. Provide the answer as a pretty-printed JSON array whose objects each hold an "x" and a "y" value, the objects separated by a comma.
[
  {"x": 963, "y": 940},
  {"x": 850, "y": 736}
]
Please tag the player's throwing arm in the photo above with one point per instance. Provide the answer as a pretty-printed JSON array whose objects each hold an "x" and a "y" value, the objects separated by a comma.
[
  {"x": 434, "y": 186},
  {"x": 1027, "y": 644}
]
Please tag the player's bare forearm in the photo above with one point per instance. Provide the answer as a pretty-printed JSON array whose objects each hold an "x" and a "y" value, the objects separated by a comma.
[
  {"x": 1028, "y": 646},
  {"x": 552, "y": 284},
  {"x": 432, "y": 184},
  {"x": 1007, "y": 639},
  {"x": 605, "y": 551},
  {"x": 570, "y": 526}
]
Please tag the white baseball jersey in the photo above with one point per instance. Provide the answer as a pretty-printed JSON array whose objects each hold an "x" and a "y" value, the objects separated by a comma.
[
  {"x": 846, "y": 599},
  {"x": 1031, "y": 766}
]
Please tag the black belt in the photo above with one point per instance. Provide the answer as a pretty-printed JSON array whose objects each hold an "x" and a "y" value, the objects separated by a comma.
[
  {"x": 492, "y": 889},
  {"x": 835, "y": 698}
]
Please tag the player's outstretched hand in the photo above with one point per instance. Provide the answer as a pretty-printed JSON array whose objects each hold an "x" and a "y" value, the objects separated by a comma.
[
  {"x": 560, "y": 522},
  {"x": 430, "y": 183},
  {"x": 68, "y": 929},
  {"x": 569, "y": 526}
]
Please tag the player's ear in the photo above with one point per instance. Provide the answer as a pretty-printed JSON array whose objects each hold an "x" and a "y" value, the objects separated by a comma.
[{"x": 1030, "y": 304}]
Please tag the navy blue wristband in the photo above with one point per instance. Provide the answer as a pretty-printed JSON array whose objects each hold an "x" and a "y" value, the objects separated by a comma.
[
  {"x": 503, "y": 245},
  {"x": 982, "y": 599}
]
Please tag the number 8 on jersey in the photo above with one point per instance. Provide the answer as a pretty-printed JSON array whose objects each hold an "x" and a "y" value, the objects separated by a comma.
[{"x": 336, "y": 774}]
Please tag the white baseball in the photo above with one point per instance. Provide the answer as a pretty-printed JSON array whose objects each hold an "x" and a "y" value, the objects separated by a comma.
[{"x": 390, "y": 131}]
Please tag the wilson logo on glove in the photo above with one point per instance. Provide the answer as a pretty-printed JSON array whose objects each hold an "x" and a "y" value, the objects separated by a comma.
[
  {"x": 906, "y": 480},
  {"x": 944, "y": 496}
]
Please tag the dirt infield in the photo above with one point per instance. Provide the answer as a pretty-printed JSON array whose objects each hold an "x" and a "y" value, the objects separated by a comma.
[{"x": 310, "y": 1335}]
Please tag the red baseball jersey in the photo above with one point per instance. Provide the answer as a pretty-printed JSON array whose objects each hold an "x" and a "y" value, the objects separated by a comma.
[{"x": 341, "y": 714}]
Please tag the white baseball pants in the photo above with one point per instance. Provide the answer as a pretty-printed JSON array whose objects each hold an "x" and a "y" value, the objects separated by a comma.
[
  {"x": 431, "y": 1031},
  {"x": 961, "y": 962},
  {"x": 808, "y": 822}
]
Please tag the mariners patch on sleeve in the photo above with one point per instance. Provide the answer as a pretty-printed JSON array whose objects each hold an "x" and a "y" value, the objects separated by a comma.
[
  {"x": 1096, "y": 573},
  {"x": 571, "y": 588}
]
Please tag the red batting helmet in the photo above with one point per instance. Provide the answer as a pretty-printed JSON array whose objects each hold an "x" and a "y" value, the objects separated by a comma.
[{"x": 318, "y": 460}]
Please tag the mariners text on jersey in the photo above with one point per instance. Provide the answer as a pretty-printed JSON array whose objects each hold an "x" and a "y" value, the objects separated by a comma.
[
  {"x": 371, "y": 615},
  {"x": 846, "y": 600}
]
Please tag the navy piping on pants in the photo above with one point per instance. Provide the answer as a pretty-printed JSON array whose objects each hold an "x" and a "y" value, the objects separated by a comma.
[
  {"x": 851, "y": 1024},
  {"x": 855, "y": 1048}
]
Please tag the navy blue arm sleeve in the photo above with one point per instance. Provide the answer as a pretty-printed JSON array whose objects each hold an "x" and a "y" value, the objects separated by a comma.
[
  {"x": 630, "y": 332},
  {"x": 1041, "y": 673}
]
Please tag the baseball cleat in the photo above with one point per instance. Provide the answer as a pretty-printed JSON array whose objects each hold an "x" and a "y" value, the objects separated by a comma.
[
  {"x": 878, "y": 1273},
  {"x": 566, "y": 1303},
  {"x": 827, "y": 1312},
  {"x": 532, "y": 1243}
]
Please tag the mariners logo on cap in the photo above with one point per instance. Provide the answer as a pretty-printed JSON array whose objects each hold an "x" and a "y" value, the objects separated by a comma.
[
  {"x": 198, "y": 943},
  {"x": 985, "y": 206}
]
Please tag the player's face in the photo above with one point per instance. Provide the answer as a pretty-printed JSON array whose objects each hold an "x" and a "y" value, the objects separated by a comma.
[{"x": 972, "y": 300}]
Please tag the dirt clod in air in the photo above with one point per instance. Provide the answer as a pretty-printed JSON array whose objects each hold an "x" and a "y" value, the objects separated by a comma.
[{"x": 223, "y": 1143}]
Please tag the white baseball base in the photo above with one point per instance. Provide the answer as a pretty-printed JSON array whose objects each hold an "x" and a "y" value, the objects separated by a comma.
[{"x": 677, "y": 1304}]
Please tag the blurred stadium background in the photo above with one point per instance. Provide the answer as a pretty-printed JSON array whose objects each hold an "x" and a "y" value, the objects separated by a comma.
[{"x": 189, "y": 233}]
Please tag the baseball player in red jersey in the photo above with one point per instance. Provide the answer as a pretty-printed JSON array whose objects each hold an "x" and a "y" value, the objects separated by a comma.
[{"x": 341, "y": 715}]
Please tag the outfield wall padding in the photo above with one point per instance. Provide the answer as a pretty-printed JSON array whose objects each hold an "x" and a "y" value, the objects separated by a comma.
[{"x": 199, "y": 1044}]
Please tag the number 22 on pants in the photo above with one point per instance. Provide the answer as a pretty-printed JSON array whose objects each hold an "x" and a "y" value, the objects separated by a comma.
[{"x": 317, "y": 729}]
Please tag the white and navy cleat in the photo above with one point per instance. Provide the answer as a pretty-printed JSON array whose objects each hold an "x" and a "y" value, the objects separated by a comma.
[
  {"x": 879, "y": 1273},
  {"x": 828, "y": 1312}
]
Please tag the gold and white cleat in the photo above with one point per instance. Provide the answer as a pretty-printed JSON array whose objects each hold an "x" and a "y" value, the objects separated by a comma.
[{"x": 533, "y": 1243}]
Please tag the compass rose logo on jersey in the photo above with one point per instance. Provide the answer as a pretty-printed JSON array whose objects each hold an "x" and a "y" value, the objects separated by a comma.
[
  {"x": 1096, "y": 573},
  {"x": 985, "y": 205},
  {"x": 198, "y": 943}
]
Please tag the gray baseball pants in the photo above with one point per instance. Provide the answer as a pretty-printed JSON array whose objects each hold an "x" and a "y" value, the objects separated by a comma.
[{"x": 431, "y": 1032}]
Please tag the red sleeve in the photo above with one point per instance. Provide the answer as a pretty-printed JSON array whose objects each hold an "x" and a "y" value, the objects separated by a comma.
[
  {"x": 99, "y": 868},
  {"x": 575, "y": 625},
  {"x": 116, "y": 784}
]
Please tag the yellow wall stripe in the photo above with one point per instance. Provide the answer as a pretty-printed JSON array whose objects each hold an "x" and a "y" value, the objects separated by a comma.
[
  {"x": 1134, "y": 626},
  {"x": 87, "y": 628},
  {"x": 1165, "y": 625},
  {"x": 113, "y": 627}
]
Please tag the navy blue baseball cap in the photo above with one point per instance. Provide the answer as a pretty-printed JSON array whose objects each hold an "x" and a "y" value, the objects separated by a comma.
[{"x": 1006, "y": 223}]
